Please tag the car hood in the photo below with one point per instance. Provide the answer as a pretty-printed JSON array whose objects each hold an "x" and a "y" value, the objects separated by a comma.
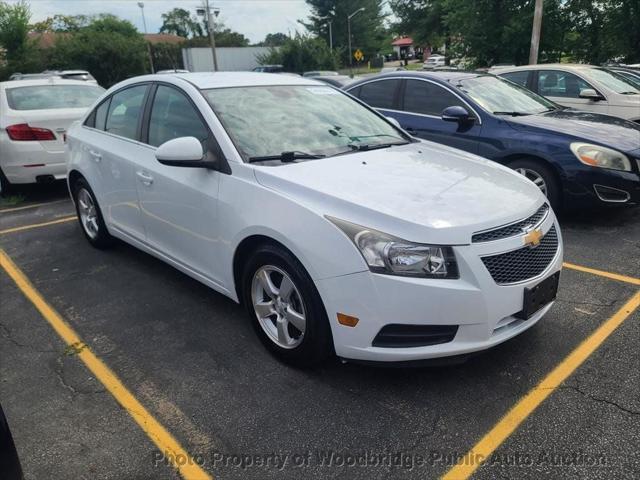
[
  {"x": 606, "y": 130},
  {"x": 422, "y": 192}
]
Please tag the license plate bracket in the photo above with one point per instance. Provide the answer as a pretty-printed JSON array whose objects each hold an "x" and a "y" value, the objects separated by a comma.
[{"x": 539, "y": 295}]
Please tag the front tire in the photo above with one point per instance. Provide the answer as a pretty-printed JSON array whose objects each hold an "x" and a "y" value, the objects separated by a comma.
[
  {"x": 543, "y": 177},
  {"x": 285, "y": 307},
  {"x": 90, "y": 215}
]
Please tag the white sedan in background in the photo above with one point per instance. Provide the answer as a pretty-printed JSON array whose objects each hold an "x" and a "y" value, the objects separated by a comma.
[
  {"x": 34, "y": 116},
  {"x": 583, "y": 87},
  {"x": 338, "y": 231}
]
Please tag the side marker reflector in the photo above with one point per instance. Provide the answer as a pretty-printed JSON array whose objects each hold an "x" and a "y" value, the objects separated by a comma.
[{"x": 347, "y": 320}]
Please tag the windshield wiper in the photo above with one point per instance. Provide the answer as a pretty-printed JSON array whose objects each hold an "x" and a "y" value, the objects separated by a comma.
[
  {"x": 285, "y": 157},
  {"x": 513, "y": 114},
  {"x": 362, "y": 147}
]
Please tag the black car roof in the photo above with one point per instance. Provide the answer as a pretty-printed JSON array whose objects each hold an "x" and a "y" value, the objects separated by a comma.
[{"x": 442, "y": 76}]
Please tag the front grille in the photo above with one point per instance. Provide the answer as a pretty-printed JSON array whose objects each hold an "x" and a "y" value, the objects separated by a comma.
[
  {"x": 402, "y": 336},
  {"x": 524, "y": 263},
  {"x": 512, "y": 229}
]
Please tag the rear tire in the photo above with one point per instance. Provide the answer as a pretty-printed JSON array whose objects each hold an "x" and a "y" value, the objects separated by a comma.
[
  {"x": 285, "y": 307},
  {"x": 5, "y": 186},
  {"x": 90, "y": 215},
  {"x": 543, "y": 177}
]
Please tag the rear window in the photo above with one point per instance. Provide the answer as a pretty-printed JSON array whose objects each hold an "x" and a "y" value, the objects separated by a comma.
[{"x": 49, "y": 97}]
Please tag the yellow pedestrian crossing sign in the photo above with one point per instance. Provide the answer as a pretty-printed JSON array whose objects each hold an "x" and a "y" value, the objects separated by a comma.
[{"x": 358, "y": 55}]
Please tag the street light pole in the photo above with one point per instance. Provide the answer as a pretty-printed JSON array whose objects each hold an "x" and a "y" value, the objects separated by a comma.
[
  {"x": 349, "y": 34},
  {"x": 212, "y": 38},
  {"x": 144, "y": 23},
  {"x": 535, "y": 33}
]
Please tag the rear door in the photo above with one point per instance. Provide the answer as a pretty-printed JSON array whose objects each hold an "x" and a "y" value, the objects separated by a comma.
[
  {"x": 564, "y": 88},
  {"x": 111, "y": 146},
  {"x": 178, "y": 204},
  {"x": 422, "y": 105}
]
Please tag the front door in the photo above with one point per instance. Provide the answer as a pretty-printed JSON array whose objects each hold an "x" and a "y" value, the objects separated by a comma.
[
  {"x": 422, "y": 106},
  {"x": 564, "y": 88},
  {"x": 179, "y": 204}
]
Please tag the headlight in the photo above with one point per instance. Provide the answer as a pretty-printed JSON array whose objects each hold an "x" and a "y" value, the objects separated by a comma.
[
  {"x": 597, "y": 156},
  {"x": 393, "y": 256}
]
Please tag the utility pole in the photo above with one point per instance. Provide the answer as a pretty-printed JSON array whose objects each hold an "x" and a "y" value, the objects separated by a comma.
[
  {"x": 349, "y": 34},
  {"x": 330, "y": 36},
  {"x": 535, "y": 33},
  {"x": 210, "y": 27},
  {"x": 144, "y": 23}
]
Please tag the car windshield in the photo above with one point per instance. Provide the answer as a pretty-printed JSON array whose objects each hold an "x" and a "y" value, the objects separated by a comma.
[
  {"x": 316, "y": 120},
  {"x": 49, "y": 97},
  {"x": 503, "y": 97},
  {"x": 614, "y": 82}
]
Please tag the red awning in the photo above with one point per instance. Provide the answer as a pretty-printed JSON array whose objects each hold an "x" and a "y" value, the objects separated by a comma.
[{"x": 402, "y": 42}]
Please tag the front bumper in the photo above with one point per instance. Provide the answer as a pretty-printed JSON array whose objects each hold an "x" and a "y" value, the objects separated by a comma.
[
  {"x": 484, "y": 311},
  {"x": 588, "y": 186}
]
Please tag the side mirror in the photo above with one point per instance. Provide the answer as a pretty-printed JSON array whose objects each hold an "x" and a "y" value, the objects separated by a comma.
[
  {"x": 456, "y": 114},
  {"x": 395, "y": 122},
  {"x": 181, "y": 152},
  {"x": 590, "y": 94}
]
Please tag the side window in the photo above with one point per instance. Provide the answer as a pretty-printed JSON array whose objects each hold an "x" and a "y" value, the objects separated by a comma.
[
  {"x": 173, "y": 116},
  {"x": 380, "y": 94},
  {"x": 101, "y": 115},
  {"x": 428, "y": 98},
  {"x": 554, "y": 83},
  {"x": 517, "y": 77},
  {"x": 124, "y": 112}
]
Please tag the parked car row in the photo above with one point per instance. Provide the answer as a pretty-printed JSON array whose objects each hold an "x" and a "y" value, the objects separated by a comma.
[{"x": 578, "y": 159}]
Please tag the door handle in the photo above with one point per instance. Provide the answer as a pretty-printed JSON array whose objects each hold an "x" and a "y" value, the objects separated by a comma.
[
  {"x": 96, "y": 156},
  {"x": 145, "y": 178}
]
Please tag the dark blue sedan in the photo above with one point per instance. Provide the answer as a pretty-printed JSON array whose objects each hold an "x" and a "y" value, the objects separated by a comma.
[{"x": 578, "y": 159}]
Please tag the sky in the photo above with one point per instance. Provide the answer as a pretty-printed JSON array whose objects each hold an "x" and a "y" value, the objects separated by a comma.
[{"x": 253, "y": 18}]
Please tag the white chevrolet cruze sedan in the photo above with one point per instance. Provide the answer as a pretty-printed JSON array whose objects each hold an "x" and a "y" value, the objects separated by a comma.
[{"x": 338, "y": 231}]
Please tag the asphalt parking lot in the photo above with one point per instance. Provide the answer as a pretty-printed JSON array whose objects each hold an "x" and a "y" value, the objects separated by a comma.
[{"x": 183, "y": 368}]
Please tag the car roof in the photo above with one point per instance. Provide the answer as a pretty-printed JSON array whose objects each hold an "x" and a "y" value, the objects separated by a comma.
[
  {"x": 442, "y": 76},
  {"x": 561, "y": 66},
  {"x": 206, "y": 80},
  {"x": 44, "y": 81}
]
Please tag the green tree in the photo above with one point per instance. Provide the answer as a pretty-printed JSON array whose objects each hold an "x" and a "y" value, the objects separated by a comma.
[
  {"x": 225, "y": 37},
  {"x": 180, "y": 22},
  {"x": 303, "y": 53},
  {"x": 274, "y": 40},
  {"x": 367, "y": 28},
  {"x": 110, "y": 48},
  {"x": 20, "y": 54}
]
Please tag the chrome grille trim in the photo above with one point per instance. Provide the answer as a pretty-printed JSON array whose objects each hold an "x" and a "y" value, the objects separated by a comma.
[
  {"x": 524, "y": 263},
  {"x": 512, "y": 229}
]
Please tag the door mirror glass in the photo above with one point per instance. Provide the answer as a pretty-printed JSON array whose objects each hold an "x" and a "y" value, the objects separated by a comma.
[
  {"x": 590, "y": 94},
  {"x": 456, "y": 114},
  {"x": 181, "y": 152},
  {"x": 393, "y": 121}
]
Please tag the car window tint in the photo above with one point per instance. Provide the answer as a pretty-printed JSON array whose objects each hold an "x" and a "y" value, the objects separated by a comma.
[
  {"x": 517, "y": 77},
  {"x": 51, "y": 97},
  {"x": 173, "y": 116},
  {"x": 101, "y": 115},
  {"x": 428, "y": 99},
  {"x": 379, "y": 94},
  {"x": 554, "y": 83},
  {"x": 125, "y": 111}
]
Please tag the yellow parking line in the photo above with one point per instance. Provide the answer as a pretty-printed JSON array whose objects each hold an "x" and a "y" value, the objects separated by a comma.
[
  {"x": 602, "y": 273},
  {"x": 38, "y": 225},
  {"x": 33, "y": 205},
  {"x": 168, "y": 445},
  {"x": 482, "y": 450}
]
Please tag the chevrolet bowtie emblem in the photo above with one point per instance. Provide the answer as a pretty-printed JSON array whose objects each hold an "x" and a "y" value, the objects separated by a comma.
[{"x": 532, "y": 237}]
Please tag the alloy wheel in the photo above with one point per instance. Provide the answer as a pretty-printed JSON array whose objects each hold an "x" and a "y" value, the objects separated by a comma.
[
  {"x": 88, "y": 213},
  {"x": 278, "y": 306},
  {"x": 535, "y": 177}
]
